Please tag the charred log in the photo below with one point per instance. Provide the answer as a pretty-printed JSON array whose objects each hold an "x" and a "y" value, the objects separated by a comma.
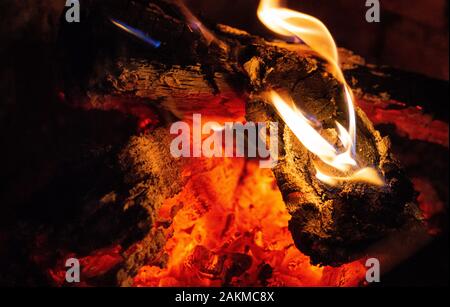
[{"x": 332, "y": 225}]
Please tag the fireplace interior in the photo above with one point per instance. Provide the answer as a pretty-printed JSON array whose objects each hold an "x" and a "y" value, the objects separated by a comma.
[{"x": 89, "y": 173}]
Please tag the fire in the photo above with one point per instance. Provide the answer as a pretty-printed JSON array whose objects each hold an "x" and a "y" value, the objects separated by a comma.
[
  {"x": 233, "y": 230},
  {"x": 314, "y": 33},
  {"x": 230, "y": 224}
]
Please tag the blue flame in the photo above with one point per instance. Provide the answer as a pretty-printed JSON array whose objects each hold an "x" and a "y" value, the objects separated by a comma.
[{"x": 137, "y": 33}]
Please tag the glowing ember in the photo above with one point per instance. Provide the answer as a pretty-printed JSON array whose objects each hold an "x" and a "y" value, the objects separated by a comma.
[
  {"x": 239, "y": 238},
  {"x": 314, "y": 33}
]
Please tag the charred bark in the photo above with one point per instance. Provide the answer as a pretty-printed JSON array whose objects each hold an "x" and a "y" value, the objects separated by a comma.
[{"x": 330, "y": 224}]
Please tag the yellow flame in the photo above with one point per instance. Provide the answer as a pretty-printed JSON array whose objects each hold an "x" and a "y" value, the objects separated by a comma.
[
  {"x": 367, "y": 175},
  {"x": 316, "y": 35}
]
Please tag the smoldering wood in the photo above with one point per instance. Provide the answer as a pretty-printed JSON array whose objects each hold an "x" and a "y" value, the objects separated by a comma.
[{"x": 331, "y": 225}]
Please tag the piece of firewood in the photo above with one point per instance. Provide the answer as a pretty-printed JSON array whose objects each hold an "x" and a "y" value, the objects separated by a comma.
[{"x": 330, "y": 224}]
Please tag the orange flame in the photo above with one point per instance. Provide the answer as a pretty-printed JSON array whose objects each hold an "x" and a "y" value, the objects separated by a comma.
[{"x": 316, "y": 35}]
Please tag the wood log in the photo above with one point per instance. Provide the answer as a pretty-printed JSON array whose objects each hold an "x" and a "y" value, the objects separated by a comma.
[
  {"x": 334, "y": 225},
  {"x": 110, "y": 215},
  {"x": 331, "y": 225}
]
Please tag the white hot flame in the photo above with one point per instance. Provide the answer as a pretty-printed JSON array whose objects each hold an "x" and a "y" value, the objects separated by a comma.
[{"x": 315, "y": 34}]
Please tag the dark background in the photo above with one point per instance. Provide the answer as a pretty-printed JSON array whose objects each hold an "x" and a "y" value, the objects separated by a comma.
[{"x": 412, "y": 34}]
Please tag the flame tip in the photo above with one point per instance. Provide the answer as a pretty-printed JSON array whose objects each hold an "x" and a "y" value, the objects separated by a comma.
[{"x": 315, "y": 34}]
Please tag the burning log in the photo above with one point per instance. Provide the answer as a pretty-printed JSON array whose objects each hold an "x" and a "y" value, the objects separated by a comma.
[
  {"x": 154, "y": 176},
  {"x": 189, "y": 71},
  {"x": 332, "y": 225}
]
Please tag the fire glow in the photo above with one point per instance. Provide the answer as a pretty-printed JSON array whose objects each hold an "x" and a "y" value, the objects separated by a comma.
[
  {"x": 240, "y": 239},
  {"x": 313, "y": 32}
]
